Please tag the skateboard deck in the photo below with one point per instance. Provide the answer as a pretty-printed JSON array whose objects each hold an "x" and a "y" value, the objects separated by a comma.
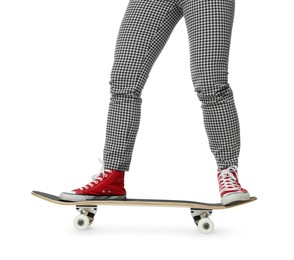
[{"x": 200, "y": 211}]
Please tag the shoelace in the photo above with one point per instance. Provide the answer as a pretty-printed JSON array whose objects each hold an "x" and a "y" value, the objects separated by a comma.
[
  {"x": 97, "y": 177},
  {"x": 227, "y": 179}
]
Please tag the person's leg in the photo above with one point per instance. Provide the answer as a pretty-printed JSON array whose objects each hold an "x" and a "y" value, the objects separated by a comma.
[
  {"x": 143, "y": 33},
  {"x": 209, "y": 24},
  {"x": 145, "y": 29}
]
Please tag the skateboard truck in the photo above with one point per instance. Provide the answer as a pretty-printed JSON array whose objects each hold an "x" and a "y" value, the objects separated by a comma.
[
  {"x": 86, "y": 216},
  {"x": 202, "y": 220}
]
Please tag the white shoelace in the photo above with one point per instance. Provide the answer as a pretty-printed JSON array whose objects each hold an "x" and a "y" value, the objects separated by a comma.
[
  {"x": 227, "y": 179},
  {"x": 97, "y": 177}
]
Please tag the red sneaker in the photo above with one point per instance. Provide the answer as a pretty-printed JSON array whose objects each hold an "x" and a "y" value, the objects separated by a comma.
[
  {"x": 109, "y": 184},
  {"x": 229, "y": 186}
]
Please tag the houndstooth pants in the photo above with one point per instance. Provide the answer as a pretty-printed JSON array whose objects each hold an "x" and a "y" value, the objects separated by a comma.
[{"x": 145, "y": 29}]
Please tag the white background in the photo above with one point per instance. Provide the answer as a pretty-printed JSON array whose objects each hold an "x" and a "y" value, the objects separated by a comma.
[{"x": 55, "y": 62}]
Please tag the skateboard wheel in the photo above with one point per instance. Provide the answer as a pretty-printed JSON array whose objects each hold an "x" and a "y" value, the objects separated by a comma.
[
  {"x": 205, "y": 225},
  {"x": 81, "y": 222}
]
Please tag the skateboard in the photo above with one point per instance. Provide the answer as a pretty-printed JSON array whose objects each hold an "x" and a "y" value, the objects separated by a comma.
[{"x": 87, "y": 209}]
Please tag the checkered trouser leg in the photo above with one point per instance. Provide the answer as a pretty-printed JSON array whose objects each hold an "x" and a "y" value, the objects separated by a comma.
[
  {"x": 144, "y": 31},
  {"x": 209, "y": 24},
  {"x": 145, "y": 28}
]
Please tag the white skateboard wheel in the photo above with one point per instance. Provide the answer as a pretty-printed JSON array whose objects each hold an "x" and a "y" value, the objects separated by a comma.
[
  {"x": 81, "y": 222},
  {"x": 205, "y": 225}
]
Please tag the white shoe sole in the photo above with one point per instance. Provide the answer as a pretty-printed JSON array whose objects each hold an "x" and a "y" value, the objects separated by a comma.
[
  {"x": 235, "y": 197},
  {"x": 68, "y": 196}
]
